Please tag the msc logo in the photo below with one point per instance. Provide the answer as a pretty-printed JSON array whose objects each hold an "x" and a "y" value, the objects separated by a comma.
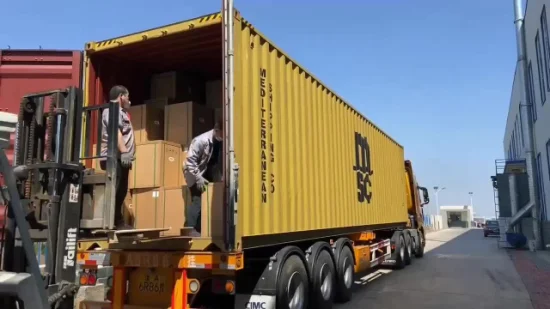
[
  {"x": 256, "y": 305},
  {"x": 363, "y": 168}
]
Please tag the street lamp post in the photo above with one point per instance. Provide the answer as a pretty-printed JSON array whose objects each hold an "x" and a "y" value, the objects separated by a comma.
[
  {"x": 472, "y": 201},
  {"x": 437, "y": 189}
]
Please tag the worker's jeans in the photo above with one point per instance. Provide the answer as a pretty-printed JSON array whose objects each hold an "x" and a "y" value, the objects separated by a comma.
[
  {"x": 121, "y": 186},
  {"x": 193, "y": 212}
]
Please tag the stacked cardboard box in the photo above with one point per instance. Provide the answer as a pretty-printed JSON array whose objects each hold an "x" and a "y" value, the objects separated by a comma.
[
  {"x": 178, "y": 86},
  {"x": 214, "y": 93},
  {"x": 148, "y": 122},
  {"x": 160, "y": 207},
  {"x": 212, "y": 222},
  {"x": 157, "y": 164},
  {"x": 184, "y": 121},
  {"x": 164, "y": 129}
]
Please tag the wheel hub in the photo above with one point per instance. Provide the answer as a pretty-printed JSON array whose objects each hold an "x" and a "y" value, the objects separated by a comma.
[
  {"x": 295, "y": 291},
  {"x": 348, "y": 274},
  {"x": 326, "y": 279},
  {"x": 402, "y": 250}
]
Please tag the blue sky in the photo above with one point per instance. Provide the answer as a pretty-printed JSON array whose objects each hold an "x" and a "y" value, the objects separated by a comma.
[{"x": 436, "y": 75}]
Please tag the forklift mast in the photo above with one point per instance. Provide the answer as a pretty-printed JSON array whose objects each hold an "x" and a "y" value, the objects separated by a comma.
[{"x": 49, "y": 179}]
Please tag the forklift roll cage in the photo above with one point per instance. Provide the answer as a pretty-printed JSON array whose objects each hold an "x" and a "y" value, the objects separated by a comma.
[{"x": 47, "y": 177}]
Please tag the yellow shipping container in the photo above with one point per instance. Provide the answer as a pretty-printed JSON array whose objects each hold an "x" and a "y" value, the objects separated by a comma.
[{"x": 311, "y": 166}]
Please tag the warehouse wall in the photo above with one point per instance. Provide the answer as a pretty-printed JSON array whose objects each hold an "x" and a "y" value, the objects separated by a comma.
[{"x": 539, "y": 93}]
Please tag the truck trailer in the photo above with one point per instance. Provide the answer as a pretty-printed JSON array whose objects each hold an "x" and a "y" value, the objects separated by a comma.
[{"x": 313, "y": 192}]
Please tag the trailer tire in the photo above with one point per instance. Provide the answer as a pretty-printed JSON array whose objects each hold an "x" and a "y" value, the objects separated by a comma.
[
  {"x": 323, "y": 277},
  {"x": 400, "y": 248},
  {"x": 408, "y": 248},
  {"x": 344, "y": 275},
  {"x": 419, "y": 252},
  {"x": 293, "y": 285}
]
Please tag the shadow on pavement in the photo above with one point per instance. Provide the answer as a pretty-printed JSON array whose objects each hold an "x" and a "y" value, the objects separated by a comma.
[
  {"x": 440, "y": 244},
  {"x": 460, "y": 269}
]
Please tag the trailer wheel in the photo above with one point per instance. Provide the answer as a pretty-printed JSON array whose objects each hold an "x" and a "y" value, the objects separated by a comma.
[
  {"x": 408, "y": 248},
  {"x": 293, "y": 285},
  {"x": 322, "y": 277},
  {"x": 344, "y": 272},
  {"x": 419, "y": 252},
  {"x": 400, "y": 249}
]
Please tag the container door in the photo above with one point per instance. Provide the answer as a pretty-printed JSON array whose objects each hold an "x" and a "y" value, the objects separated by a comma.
[{"x": 27, "y": 71}]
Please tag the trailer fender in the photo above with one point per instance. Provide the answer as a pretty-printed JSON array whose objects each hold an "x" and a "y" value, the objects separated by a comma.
[
  {"x": 313, "y": 252},
  {"x": 267, "y": 285},
  {"x": 395, "y": 259},
  {"x": 337, "y": 248},
  {"x": 416, "y": 237}
]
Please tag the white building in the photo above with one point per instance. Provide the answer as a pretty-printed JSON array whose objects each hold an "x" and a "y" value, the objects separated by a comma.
[
  {"x": 456, "y": 216},
  {"x": 538, "y": 63}
]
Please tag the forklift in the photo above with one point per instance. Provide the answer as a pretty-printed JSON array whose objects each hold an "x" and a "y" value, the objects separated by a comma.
[{"x": 47, "y": 190}]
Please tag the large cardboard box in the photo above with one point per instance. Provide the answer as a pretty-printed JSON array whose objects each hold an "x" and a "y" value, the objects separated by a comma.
[
  {"x": 148, "y": 122},
  {"x": 157, "y": 164},
  {"x": 214, "y": 93},
  {"x": 148, "y": 206},
  {"x": 159, "y": 102},
  {"x": 128, "y": 209},
  {"x": 184, "y": 121},
  {"x": 183, "y": 158},
  {"x": 94, "y": 205},
  {"x": 175, "y": 201},
  {"x": 160, "y": 208},
  {"x": 218, "y": 113},
  {"x": 95, "y": 162},
  {"x": 212, "y": 223},
  {"x": 178, "y": 86}
]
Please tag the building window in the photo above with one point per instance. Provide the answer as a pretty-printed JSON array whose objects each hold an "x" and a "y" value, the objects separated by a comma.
[
  {"x": 516, "y": 141},
  {"x": 513, "y": 145},
  {"x": 540, "y": 70},
  {"x": 518, "y": 133},
  {"x": 545, "y": 45},
  {"x": 521, "y": 126},
  {"x": 531, "y": 92},
  {"x": 540, "y": 178}
]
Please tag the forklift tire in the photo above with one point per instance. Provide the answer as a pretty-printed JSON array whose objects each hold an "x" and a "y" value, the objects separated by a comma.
[
  {"x": 419, "y": 252},
  {"x": 408, "y": 248},
  {"x": 344, "y": 275},
  {"x": 293, "y": 285}
]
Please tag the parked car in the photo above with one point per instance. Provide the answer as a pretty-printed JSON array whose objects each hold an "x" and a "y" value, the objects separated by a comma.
[{"x": 491, "y": 228}]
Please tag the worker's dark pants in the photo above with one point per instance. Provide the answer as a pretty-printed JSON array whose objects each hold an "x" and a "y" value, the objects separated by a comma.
[
  {"x": 121, "y": 186},
  {"x": 193, "y": 212}
]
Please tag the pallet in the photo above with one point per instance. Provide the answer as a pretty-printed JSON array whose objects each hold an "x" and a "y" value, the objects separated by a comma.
[{"x": 151, "y": 239}]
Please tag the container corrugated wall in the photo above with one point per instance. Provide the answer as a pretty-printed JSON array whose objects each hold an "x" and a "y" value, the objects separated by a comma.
[
  {"x": 296, "y": 145},
  {"x": 26, "y": 71},
  {"x": 297, "y": 151}
]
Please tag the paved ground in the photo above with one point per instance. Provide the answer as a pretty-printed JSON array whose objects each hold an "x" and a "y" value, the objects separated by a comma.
[
  {"x": 534, "y": 269},
  {"x": 462, "y": 269}
]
